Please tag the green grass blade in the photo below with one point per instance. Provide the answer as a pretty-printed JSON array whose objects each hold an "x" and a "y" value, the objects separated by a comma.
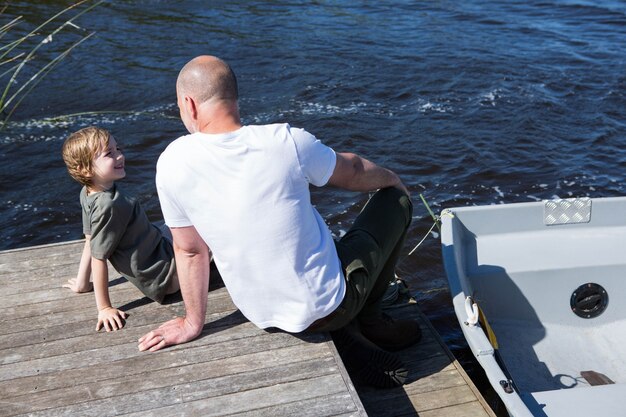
[
  {"x": 55, "y": 31},
  {"x": 12, "y": 45},
  {"x": 3, "y": 99},
  {"x": 435, "y": 218},
  {"x": 41, "y": 26},
  {"x": 12, "y": 59},
  {"x": 10, "y": 70},
  {"x": 6, "y": 28},
  {"x": 36, "y": 79}
]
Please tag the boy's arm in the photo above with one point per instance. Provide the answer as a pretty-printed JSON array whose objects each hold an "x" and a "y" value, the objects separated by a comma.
[
  {"x": 109, "y": 317},
  {"x": 82, "y": 283},
  {"x": 193, "y": 269}
]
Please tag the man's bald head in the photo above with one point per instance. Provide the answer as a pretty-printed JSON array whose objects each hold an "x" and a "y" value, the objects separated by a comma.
[{"x": 207, "y": 78}]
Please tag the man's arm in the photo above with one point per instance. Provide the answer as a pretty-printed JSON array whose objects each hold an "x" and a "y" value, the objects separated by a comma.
[
  {"x": 355, "y": 173},
  {"x": 193, "y": 269}
]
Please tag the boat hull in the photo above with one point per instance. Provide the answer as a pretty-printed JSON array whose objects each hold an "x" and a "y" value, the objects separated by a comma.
[{"x": 561, "y": 343}]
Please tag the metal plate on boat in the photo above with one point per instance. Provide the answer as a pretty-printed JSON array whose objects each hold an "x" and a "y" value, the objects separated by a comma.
[{"x": 567, "y": 211}]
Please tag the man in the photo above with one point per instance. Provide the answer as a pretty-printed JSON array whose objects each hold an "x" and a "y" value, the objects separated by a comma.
[{"x": 241, "y": 194}]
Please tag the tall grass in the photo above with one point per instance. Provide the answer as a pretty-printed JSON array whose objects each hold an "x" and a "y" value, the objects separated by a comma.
[{"x": 17, "y": 54}]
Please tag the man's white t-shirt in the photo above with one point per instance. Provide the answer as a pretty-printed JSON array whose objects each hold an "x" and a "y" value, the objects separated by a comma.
[{"x": 247, "y": 194}]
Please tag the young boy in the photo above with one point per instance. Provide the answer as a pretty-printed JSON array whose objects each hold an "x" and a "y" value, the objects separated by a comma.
[{"x": 116, "y": 228}]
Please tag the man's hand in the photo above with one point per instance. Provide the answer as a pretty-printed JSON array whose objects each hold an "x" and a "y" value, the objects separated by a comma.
[
  {"x": 111, "y": 318},
  {"x": 173, "y": 332},
  {"x": 75, "y": 286},
  {"x": 193, "y": 269}
]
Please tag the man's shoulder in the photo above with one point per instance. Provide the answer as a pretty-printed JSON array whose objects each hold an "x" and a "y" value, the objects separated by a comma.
[
  {"x": 178, "y": 142},
  {"x": 282, "y": 132},
  {"x": 273, "y": 128},
  {"x": 172, "y": 151}
]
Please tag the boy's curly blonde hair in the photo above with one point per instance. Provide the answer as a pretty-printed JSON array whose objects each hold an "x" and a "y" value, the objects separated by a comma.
[{"x": 80, "y": 149}]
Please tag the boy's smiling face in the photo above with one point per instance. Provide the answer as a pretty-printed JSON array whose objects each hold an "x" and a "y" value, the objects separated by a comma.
[{"x": 108, "y": 167}]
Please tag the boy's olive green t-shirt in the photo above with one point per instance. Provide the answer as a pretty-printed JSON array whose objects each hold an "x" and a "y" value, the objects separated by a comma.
[{"x": 122, "y": 233}]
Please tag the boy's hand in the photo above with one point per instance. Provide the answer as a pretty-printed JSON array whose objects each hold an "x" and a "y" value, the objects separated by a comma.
[
  {"x": 111, "y": 318},
  {"x": 73, "y": 285}
]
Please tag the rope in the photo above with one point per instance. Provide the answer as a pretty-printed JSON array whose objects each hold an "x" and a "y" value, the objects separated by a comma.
[
  {"x": 424, "y": 238},
  {"x": 437, "y": 221}
]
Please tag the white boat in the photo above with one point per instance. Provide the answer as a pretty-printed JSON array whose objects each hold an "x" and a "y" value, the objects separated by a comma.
[{"x": 550, "y": 280}]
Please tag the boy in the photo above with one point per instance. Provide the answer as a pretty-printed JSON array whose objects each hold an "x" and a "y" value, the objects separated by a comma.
[{"x": 116, "y": 228}]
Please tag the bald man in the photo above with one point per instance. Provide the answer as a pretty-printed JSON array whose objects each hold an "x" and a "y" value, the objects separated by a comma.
[{"x": 241, "y": 193}]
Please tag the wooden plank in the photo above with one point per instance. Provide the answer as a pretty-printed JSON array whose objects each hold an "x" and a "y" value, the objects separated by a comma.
[
  {"x": 47, "y": 277},
  {"x": 252, "y": 400},
  {"x": 421, "y": 402},
  {"x": 34, "y": 297},
  {"x": 170, "y": 401},
  {"x": 122, "y": 345},
  {"x": 143, "y": 364},
  {"x": 35, "y": 263},
  {"x": 44, "y": 302},
  {"x": 337, "y": 405},
  {"x": 53, "y": 362},
  {"x": 229, "y": 374},
  {"x": 45, "y": 289},
  {"x": 84, "y": 338},
  {"x": 40, "y": 251},
  {"x": 445, "y": 378},
  {"x": 77, "y": 307},
  {"x": 435, "y": 380},
  {"x": 65, "y": 324},
  {"x": 471, "y": 409}
]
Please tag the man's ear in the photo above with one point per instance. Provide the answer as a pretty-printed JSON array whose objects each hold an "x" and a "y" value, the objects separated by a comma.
[{"x": 191, "y": 107}]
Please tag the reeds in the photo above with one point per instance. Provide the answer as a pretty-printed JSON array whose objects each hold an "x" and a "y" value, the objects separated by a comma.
[{"x": 17, "y": 54}]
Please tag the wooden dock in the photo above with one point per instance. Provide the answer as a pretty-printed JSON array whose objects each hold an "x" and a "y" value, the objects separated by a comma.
[
  {"x": 437, "y": 385},
  {"x": 52, "y": 362}
]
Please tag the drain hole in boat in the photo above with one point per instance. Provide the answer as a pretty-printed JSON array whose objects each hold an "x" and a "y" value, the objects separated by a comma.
[{"x": 589, "y": 300}]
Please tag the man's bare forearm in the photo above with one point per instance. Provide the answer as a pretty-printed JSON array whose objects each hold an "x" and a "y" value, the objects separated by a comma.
[
  {"x": 356, "y": 173},
  {"x": 193, "y": 269}
]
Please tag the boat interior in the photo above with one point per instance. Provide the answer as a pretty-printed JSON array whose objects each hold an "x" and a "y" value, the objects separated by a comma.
[{"x": 552, "y": 294}]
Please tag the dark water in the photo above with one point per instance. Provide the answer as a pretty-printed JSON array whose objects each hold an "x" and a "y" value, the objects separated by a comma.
[{"x": 470, "y": 102}]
